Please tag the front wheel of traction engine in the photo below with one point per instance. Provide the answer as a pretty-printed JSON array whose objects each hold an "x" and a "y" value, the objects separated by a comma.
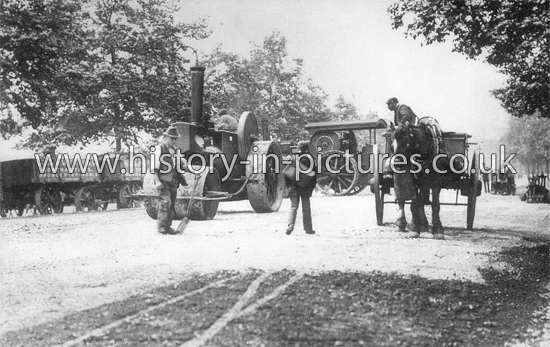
[
  {"x": 209, "y": 184},
  {"x": 266, "y": 185}
]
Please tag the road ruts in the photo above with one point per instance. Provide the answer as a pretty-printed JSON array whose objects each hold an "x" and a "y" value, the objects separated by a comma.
[{"x": 190, "y": 316}]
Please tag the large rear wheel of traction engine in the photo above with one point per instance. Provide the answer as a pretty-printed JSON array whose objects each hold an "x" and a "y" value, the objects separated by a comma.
[
  {"x": 266, "y": 186},
  {"x": 338, "y": 173}
]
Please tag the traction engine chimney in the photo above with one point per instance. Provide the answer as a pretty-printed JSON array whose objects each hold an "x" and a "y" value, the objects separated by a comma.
[{"x": 197, "y": 92}]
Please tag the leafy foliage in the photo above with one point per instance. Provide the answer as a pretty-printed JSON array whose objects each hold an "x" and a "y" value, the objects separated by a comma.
[
  {"x": 512, "y": 35},
  {"x": 269, "y": 84},
  {"x": 103, "y": 68},
  {"x": 529, "y": 139}
]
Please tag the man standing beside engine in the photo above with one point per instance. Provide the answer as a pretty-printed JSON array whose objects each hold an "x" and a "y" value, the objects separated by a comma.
[{"x": 167, "y": 176}]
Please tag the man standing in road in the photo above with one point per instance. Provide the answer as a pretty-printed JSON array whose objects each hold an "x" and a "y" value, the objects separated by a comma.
[
  {"x": 168, "y": 180},
  {"x": 301, "y": 186},
  {"x": 403, "y": 114}
]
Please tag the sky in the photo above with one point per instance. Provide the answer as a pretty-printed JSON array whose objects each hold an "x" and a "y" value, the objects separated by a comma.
[{"x": 349, "y": 48}]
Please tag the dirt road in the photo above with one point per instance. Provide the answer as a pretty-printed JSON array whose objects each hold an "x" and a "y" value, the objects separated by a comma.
[{"x": 55, "y": 267}]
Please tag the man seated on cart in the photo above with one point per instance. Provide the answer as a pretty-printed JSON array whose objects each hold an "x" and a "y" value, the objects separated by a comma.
[{"x": 403, "y": 114}]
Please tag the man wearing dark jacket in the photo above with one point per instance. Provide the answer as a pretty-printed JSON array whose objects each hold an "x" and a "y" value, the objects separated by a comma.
[
  {"x": 301, "y": 186},
  {"x": 403, "y": 114}
]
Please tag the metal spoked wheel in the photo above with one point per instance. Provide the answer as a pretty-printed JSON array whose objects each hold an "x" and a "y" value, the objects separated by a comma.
[
  {"x": 48, "y": 200},
  {"x": 338, "y": 173},
  {"x": 474, "y": 186},
  {"x": 266, "y": 186},
  {"x": 377, "y": 189},
  {"x": 125, "y": 196},
  {"x": 84, "y": 200}
]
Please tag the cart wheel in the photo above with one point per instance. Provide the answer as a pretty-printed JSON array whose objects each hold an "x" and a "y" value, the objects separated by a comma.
[
  {"x": 266, "y": 186},
  {"x": 474, "y": 185},
  {"x": 336, "y": 177},
  {"x": 84, "y": 200},
  {"x": 48, "y": 200},
  {"x": 378, "y": 193},
  {"x": 125, "y": 198}
]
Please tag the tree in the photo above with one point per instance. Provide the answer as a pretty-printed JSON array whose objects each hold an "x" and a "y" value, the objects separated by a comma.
[
  {"x": 117, "y": 68},
  {"x": 529, "y": 139},
  {"x": 269, "y": 84},
  {"x": 512, "y": 35},
  {"x": 38, "y": 40}
]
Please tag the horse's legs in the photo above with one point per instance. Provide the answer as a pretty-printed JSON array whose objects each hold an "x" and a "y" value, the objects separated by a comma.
[
  {"x": 420, "y": 220},
  {"x": 401, "y": 220},
  {"x": 436, "y": 207}
]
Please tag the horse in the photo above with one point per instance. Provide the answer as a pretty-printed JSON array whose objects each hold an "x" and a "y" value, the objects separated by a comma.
[{"x": 419, "y": 177}]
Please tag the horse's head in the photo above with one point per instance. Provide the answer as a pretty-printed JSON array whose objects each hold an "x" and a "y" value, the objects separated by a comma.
[{"x": 401, "y": 141}]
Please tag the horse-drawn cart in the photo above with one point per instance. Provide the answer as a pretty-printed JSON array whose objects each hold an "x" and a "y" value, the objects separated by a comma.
[
  {"x": 456, "y": 147},
  {"x": 335, "y": 145}
]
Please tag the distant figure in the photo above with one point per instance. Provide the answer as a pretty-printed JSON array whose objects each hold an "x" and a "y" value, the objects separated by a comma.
[
  {"x": 510, "y": 183},
  {"x": 403, "y": 114},
  {"x": 301, "y": 189},
  {"x": 485, "y": 178},
  {"x": 226, "y": 122}
]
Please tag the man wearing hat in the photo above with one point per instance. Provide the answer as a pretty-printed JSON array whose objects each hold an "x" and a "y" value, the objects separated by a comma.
[
  {"x": 301, "y": 188},
  {"x": 403, "y": 114},
  {"x": 168, "y": 180}
]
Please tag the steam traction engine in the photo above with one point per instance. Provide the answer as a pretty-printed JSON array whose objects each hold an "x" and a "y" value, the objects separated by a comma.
[{"x": 256, "y": 175}]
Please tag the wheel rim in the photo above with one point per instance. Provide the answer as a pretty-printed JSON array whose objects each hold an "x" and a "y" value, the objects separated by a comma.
[
  {"x": 211, "y": 183},
  {"x": 472, "y": 197},
  {"x": 85, "y": 200},
  {"x": 334, "y": 178},
  {"x": 378, "y": 193},
  {"x": 265, "y": 189},
  {"x": 48, "y": 200}
]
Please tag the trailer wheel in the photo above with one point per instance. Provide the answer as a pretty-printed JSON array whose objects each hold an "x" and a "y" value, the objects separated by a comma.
[
  {"x": 338, "y": 173},
  {"x": 266, "y": 186},
  {"x": 125, "y": 196},
  {"x": 376, "y": 188},
  {"x": 48, "y": 200},
  {"x": 84, "y": 200},
  {"x": 472, "y": 196}
]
